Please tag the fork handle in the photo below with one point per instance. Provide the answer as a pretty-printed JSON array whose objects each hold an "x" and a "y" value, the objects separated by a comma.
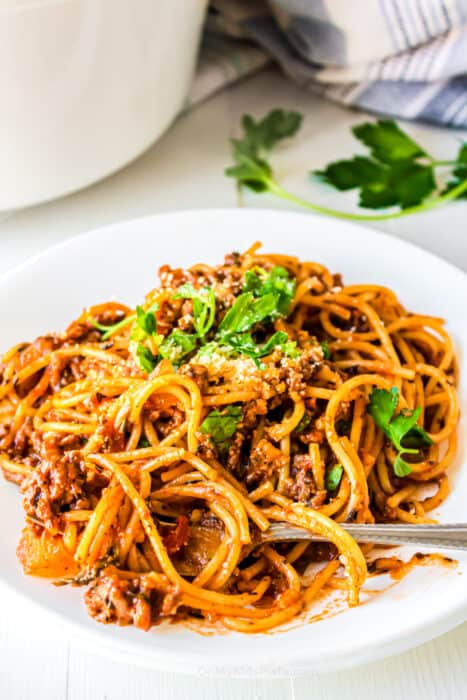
[{"x": 450, "y": 536}]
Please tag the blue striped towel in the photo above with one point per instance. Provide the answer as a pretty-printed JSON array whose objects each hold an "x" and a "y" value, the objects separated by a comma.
[{"x": 404, "y": 58}]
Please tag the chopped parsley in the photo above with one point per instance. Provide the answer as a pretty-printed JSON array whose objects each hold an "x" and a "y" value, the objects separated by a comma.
[
  {"x": 146, "y": 320},
  {"x": 326, "y": 351},
  {"x": 221, "y": 425},
  {"x": 277, "y": 282},
  {"x": 176, "y": 346},
  {"x": 304, "y": 423},
  {"x": 268, "y": 298},
  {"x": 110, "y": 330},
  {"x": 403, "y": 431},
  {"x": 333, "y": 477},
  {"x": 245, "y": 312},
  {"x": 147, "y": 361},
  {"x": 204, "y": 307}
]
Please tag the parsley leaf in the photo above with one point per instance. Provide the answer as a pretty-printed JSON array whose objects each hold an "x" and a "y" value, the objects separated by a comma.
[
  {"x": 177, "y": 345},
  {"x": 403, "y": 431},
  {"x": 401, "y": 467},
  {"x": 147, "y": 361},
  {"x": 387, "y": 142},
  {"x": 402, "y": 183},
  {"x": 245, "y": 313},
  {"x": 262, "y": 135},
  {"x": 460, "y": 171},
  {"x": 304, "y": 423},
  {"x": 333, "y": 477},
  {"x": 204, "y": 307},
  {"x": 277, "y": 282},
  {"x": 221, "y": 425},
  {"x": 146, "y": 320},
  {"x": 244, "y": 344},
  {"x": 325, "y": 348},
  {"x": 251, "y": 169}
]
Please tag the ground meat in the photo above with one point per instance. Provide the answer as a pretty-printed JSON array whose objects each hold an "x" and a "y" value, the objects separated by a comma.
[
  {"x": 265, "y": 460},
  {"x": 83, "y": 330},
  {"x": 199, "y": 374},
  {"x": 14, "y": 477},
  {"x": 166, "y": 420},
  {"x": 205, "y": 448},
  {"x": 252, "y": 410},
  {"x": 233, "y": 460},
  {"x": 301, "y": 486},
  {"x": 113, "y": 437},
  {"x": 168, "y": 314},
  {"x": 23, "y": 440},
  {"x": 54, "y": 486},
  {"x": 141, "y": 601},
  {"x": 41, "y": 347},
  {"x": 173, "y": 277},
  {"x": 175, "y": 538}
]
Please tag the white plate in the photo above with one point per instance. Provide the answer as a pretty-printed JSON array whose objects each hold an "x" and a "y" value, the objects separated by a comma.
[{"x": 121, "y": 261}]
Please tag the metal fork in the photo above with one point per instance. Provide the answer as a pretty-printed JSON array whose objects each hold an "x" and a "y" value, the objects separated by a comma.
[{"x": 450, "y": 536}]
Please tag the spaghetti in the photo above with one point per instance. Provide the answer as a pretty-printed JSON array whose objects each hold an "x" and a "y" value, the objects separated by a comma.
[{"x": 153, "y": 446}]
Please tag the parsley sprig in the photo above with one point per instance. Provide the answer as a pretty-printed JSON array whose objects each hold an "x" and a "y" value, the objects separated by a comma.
[
  {"x": 398, "y": 172},
  {"x": 403, "y": 431}
]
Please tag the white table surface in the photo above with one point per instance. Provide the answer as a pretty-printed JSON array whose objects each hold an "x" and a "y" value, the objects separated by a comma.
[{"x": 38, "y": 657}]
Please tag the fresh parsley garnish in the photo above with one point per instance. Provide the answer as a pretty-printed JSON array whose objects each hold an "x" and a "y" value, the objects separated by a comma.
[
  {"x": 204, "y": 307},
  {"x": 176, "y": 346},
  {"x": 333, "y": 477},
  {"x": 221, "y": 425},
  {"x": 244, "y": 344},
  {"x": 325, "y": 348},
  {"x": 146, "y": 320},
  {"x": 398, "y": 172},
  {"x": 147, "y": 361},
  {"x": 245, "y": 312},
  {"x": 110, "y": 330},
  {"x": 403, "y": 431},
  {"x": 304, "y": 423},
  {"x": 251, "y": 308},
  {"x": 277, "y": 282}
]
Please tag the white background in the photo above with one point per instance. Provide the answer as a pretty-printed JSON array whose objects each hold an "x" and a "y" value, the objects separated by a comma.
[{"x": 38, "y": 657}]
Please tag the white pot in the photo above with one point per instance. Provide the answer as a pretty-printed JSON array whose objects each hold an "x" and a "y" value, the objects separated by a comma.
[{"x": 86, "y": 86}]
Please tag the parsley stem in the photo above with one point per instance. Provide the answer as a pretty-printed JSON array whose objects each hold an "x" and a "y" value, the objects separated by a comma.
[
  {"x": 111, "y": 330},
  {"x": 439, "y": 163},
  {"x": 277, "y": 190}
]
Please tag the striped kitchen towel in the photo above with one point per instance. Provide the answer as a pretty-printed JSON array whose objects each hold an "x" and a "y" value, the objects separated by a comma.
[{"x": 404, "y": 58}]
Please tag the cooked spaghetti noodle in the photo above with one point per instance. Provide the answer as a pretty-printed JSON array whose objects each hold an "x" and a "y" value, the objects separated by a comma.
[{"x": 154, "y": 446}]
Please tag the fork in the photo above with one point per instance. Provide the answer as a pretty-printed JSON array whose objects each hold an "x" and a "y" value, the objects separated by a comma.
[{"x": 450, "y": 536}]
